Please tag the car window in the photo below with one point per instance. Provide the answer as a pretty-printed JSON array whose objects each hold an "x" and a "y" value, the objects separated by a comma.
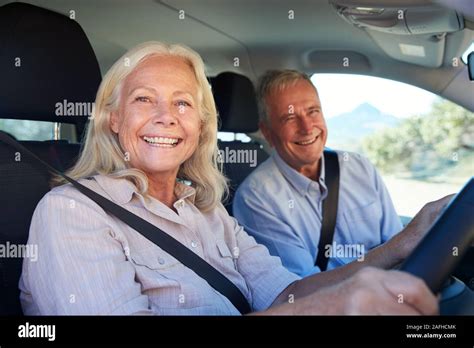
[
  {"x": 38, "y": 130},
  {"x": 28, "y": 130},
  {"x": 230, "y": 136},
  {"x": 422, "y": 145}
]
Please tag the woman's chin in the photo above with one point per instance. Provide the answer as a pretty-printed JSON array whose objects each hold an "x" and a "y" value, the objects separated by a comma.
[{"x": 159, "y": 164}]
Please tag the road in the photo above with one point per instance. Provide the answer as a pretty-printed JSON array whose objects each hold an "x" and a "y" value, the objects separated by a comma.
[{"x": 409, "y": 196}]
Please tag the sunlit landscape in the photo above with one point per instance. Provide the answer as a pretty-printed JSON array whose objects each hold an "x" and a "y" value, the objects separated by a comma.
[{"x": 422, "y": 145}]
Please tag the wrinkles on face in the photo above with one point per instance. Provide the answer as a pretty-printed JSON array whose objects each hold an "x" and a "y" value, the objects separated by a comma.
[
  {"x": 158, "y": 121},
  {"x": 297, "y": 128}
]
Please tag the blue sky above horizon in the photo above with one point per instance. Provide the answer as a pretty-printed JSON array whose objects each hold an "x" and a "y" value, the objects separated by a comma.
[{"x": 340, "y": 93}]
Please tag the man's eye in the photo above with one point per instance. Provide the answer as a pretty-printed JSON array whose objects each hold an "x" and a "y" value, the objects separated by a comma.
[
  {"x": 289, "y": 118},
  {"x": 143, "y": 99}
]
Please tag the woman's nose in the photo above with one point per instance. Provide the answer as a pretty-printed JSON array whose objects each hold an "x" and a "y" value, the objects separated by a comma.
[{"x": 164, "y": 115}]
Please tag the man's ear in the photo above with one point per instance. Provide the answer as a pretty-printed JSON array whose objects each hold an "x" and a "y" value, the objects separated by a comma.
[
  {"x": 114, "y": 121},
  {"x": 264, "y": 128}
]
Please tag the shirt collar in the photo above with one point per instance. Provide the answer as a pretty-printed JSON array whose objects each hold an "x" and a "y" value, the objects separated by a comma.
[
  {"x": 184, "y": 190},
  {"x": 121, "y": 190},
  {"x": 300, "y": 182}
]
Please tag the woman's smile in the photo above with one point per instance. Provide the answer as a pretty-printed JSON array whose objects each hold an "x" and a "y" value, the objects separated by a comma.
[{"x": 162, "y": 141}]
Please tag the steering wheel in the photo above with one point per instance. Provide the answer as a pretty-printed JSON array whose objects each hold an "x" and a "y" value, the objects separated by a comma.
[{"x": 441, "y": 250}]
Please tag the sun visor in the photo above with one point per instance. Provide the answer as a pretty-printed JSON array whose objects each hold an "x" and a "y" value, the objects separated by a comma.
[
  {"x": 413, "y": 32},
  {"x": 424, "y": 50},
  {"x": 402, "y": 20}
]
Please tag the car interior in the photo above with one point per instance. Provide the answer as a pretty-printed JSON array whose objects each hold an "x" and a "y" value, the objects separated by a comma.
[{"x": 65, "y": 47}]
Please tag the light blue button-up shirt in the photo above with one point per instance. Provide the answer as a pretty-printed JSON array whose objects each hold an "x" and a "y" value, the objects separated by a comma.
[{"x": 282, "y": 209}]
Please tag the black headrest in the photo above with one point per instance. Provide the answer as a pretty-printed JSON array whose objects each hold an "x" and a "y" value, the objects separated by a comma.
[
  {"x": 45, "y": 59},
  {"x": 236, "y": 102}
]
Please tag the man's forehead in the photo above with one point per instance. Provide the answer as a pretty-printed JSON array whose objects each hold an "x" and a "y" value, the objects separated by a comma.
[{"x": 294, "y": 95}]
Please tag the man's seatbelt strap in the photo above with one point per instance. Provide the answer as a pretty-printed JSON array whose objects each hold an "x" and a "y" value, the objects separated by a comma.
[{"x": 330, "y": 203}]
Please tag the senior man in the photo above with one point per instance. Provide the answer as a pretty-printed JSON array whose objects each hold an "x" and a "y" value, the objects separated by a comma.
[{"x": 281, "y": 202}]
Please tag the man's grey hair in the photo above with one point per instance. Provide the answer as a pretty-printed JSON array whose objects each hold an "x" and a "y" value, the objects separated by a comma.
[{"x": 275, "y": 80}]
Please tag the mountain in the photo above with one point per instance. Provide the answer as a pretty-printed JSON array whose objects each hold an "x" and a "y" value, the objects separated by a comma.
[{"x": 350, "y": 127}]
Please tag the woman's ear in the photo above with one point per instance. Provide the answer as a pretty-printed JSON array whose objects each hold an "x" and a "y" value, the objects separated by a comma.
[{"x": 114, "y": 121}]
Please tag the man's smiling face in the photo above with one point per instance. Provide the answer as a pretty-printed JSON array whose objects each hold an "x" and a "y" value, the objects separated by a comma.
[{"x": 296, "y": 128}]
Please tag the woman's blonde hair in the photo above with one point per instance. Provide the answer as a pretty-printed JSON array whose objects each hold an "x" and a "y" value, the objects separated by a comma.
[{"x": 102, "y": 154}]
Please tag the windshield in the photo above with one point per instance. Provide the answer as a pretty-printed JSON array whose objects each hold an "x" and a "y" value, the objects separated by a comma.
[{"x": 422, "y": 145}]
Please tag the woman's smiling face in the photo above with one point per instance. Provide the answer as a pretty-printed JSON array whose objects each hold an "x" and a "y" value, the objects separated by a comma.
[{"x": 157, "y": 121}]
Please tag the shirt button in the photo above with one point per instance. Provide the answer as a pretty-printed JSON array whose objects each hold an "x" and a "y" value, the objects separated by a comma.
[
  {"x": 161, "y": 261},
  {"x": 180, "y": 203},
  {"x": 194, "y": 244}
]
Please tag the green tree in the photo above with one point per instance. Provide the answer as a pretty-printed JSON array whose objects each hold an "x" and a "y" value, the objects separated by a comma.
[
  {"x": 423, "y": 143},
  {"x": 448, "y": 128}
]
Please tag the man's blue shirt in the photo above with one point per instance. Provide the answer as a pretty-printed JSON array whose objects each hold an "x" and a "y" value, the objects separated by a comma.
[{"x": 281, "y": 208}]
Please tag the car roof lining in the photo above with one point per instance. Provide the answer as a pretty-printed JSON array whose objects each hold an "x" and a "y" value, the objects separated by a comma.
[{"x": 253, "y": 32}]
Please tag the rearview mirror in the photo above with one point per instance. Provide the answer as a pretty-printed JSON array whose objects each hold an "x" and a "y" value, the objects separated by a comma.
[{"x": 470, "y": 65}]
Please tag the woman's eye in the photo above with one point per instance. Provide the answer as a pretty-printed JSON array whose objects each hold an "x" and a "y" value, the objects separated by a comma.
[
  {"x": 143, "y": 99},
  {"x": 182, "y": 103}
]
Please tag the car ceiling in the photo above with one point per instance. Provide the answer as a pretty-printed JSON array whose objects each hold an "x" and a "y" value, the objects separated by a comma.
[{"x": 260, "y": 36}]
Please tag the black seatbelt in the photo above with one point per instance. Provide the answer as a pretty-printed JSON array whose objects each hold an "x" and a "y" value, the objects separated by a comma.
[
  {"x": 170, "y": 245},
  {"x": 331, "y": 178}
]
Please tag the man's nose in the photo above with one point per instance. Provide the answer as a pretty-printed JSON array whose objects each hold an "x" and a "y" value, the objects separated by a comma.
[
  {"x": 305, "y": 124},
  {"x": 164, "y": 116}
]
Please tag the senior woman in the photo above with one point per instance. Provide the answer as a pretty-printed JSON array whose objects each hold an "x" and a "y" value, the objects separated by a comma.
[{"x": 151, "y": 147}]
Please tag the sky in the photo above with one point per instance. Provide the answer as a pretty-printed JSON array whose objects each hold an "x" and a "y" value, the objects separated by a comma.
[{"x": 341, "y": 93}]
